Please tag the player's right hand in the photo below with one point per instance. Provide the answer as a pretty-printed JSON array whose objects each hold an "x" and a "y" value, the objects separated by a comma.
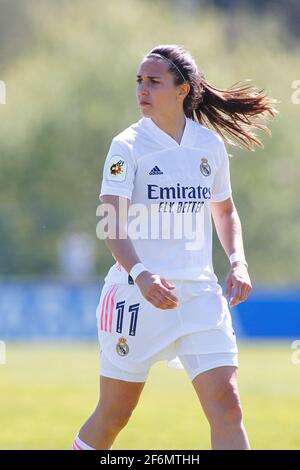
[{"x": 157, "y": 290}]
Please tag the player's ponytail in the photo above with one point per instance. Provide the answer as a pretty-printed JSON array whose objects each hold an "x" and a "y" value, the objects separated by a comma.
[
  {"x": 235, "y": 111},
  {"x": 231, "y": 112}
]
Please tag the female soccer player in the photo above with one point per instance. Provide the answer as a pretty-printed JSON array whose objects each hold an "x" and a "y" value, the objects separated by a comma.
[{"x": 163, "y": 178}]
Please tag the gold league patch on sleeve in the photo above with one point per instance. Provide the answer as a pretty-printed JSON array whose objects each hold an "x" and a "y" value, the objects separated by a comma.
[{"x": 117, "y": 168}]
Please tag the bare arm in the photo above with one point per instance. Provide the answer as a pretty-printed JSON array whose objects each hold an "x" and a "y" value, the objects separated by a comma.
[
  {"x": 229, "y": 231},
  {"x": 121, "y": 246},
  {"x": 155, "y": 289},
  {"x": 228, "y": 226}
]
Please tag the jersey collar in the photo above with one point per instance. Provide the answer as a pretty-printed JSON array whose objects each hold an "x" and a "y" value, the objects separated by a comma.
[{"x": 165, "y": 139}]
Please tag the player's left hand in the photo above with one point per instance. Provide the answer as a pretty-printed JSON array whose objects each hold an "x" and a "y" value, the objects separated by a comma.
[{"x": 238, "y": 279}]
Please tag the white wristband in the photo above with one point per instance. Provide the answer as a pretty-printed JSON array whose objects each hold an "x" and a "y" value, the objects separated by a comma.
[
  {"x": 136, "y": 270},
  {"x": 237, "y": 257}
]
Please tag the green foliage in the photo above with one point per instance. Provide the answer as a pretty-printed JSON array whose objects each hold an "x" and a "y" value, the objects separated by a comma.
[{"x": 75, "y": 89}]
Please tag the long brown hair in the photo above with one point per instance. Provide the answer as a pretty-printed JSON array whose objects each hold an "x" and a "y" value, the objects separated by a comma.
[{"x": 232, "y": 111}]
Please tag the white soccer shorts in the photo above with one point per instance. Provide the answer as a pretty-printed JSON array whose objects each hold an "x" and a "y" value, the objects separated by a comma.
[{"x": 133, "y": 334}]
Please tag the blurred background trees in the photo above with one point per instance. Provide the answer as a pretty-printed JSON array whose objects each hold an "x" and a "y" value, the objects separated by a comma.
[{"x": 69, "y": 69}]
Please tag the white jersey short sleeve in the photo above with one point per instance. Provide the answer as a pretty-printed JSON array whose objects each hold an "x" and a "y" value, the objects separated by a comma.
[
  {"x": 119, "y": 170},
  {"x": 221, "y": 187},
  {"x": 171, "y": 186}
]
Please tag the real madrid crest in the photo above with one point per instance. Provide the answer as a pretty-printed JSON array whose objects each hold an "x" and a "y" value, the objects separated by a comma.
[
  {"x": 122, "y": 347},
  {"x": 204, "y": 167}
]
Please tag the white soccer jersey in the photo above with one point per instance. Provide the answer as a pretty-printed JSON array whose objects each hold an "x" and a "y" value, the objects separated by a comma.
[{"x": 170, "y": 186}]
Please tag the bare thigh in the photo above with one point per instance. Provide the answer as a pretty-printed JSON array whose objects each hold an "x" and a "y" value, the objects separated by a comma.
[
  {"x": 217, "y": 390},
  {"x": 119, "y": 396}
]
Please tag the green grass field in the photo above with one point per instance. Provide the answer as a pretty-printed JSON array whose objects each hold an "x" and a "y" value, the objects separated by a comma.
[{"x": 49, "y": 389}]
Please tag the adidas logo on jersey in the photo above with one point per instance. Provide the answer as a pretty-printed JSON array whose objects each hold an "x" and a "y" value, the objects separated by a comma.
[{"x": 155, "y": 171}]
